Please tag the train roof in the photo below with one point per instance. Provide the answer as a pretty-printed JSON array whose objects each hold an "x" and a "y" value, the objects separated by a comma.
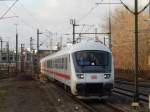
[{"x": 85, "y": 45}]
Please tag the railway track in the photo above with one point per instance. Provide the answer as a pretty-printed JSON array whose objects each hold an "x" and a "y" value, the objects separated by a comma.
[
  {"x": 3, "y": 75},
  {"x": 92, "y": 106},
  {"x": 128, "y": 90},
  {"x": 141, "y": 83},
  {"x": 130, "y": 93}
]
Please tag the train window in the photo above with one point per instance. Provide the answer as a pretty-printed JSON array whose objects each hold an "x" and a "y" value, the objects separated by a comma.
[
  {"x": 92, "y": 61},
  {"x": 62, "y": 63},
  {"x": 11, "y": 58},
  {"x": 65, "y": 63},
  {"x": 90, "y": 58},
  {"x": 4, "y": 58},
  {"x": 69, "y": 58},
  {"x": 49, "y": 63}
]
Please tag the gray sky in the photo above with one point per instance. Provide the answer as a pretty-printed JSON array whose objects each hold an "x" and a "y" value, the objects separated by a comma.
[{"x": 53, "y": 15}]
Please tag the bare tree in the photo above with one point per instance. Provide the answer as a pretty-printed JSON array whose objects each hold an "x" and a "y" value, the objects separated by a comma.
[{"x": 123, "y": 40}]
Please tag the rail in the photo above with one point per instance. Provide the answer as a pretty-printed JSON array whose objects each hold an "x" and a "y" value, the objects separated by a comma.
[{"x": 90, "y": 107}]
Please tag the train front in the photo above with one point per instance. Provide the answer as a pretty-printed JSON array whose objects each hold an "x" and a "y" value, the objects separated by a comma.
[{"x": 94, "y": 73}]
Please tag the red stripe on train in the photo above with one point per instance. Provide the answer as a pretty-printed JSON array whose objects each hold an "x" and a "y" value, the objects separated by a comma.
[{"x": 59, "y": 74}]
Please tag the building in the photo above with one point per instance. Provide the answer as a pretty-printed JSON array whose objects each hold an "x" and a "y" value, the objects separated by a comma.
[{"x": 5, "y": 57}]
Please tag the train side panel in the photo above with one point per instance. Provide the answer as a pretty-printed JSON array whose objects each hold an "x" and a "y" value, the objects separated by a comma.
[{"x": 59, "y": 68}]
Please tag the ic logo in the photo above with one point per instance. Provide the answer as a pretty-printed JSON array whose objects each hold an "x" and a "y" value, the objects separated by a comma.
[{"x": 93, "y": 77}]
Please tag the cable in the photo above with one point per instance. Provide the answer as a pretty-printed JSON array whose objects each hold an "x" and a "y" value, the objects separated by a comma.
[
  {"x": 30, "y": 14},
  {"x": 89, "y": 12},
  {"x": 126, "y": 7},
  {"x": 25, "y": 23},
  {"x": 9, "y": 9},
  {"x": 144, "y": 8}
]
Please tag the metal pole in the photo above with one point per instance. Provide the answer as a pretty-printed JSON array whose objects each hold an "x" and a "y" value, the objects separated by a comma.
[
  {"x": 110, "y": 40},
  {"x": 96, "y": 38},
  {"x": 136, "y": 97},
  {"x": 73, "y": 32},
  {"x": 51, "y": 44},
  {"x": 31, "y": 52},
  {"x": 37, "y": 50},
  {"x": 16, "y": 53},
  {"x": 31, "y": 44},
  {"x": 61, "y": 42},
  {"x": 22, "y": 58},
  {"x": 38, "y": 41},
  {"x": 1, "y": 45},
  {"x": 8, "y": 56},
  {"x": 149, "y": 8},
  {"x": 104, "y": 40}
]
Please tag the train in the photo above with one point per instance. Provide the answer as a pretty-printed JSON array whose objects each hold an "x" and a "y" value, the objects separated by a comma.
[{"x": 86, "y": 68}]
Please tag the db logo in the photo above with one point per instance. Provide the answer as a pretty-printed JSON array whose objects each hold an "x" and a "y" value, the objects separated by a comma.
[{"x": 93, "y": 77}]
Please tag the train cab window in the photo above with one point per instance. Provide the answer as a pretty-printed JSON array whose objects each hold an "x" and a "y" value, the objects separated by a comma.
[
  {"x": 82, "y": 58},
  {"x": 92, "y": 61},
  {"x": 91, "y": 58}
]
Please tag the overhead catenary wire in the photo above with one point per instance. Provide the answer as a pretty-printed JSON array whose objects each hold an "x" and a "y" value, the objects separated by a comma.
[
  {"x": 29, "y": 13},
  {"x": 126, "y": 7},
  {"x": 24, "y": 22},
  {"x": 146, "y": 6},
  {"x": 6, "y": 12},
  {"x": 88, "y": 13}
]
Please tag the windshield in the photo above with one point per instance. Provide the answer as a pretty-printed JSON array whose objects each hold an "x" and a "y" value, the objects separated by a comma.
[
  {"x": 92, "y": 58},
  {"x": 92, "y": 61}
]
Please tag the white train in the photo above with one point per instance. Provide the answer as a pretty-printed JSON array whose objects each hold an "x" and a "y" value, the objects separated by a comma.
[{"x": 86, "y": 68}]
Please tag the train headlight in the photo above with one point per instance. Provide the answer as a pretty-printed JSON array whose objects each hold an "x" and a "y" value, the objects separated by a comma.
[
  {"x": 80, "y": 76},
  {"x": 107, "y": 76}
]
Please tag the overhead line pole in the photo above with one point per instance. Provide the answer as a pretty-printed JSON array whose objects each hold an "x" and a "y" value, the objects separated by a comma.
[
  {"x": 136, "y": 97},
  {"x": 110, "y": 30},
  {"x": 31, "y": 44},
  {"x": 38, "y": 41},
  {"x": 73, "y": 22},
  {"x": 38, "y": 32},
  {"x": 22, "y": 58},
  {"x": 8, "y": 56},
  {"x": 16, "y": 51},
  {"x": 136, "y": 49},
  {"x": 38, "y": 45},
  {"x": 136, "y": 13},
  {"x": 31, "y": 52},
  {"x": 1, "y": 44}
]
